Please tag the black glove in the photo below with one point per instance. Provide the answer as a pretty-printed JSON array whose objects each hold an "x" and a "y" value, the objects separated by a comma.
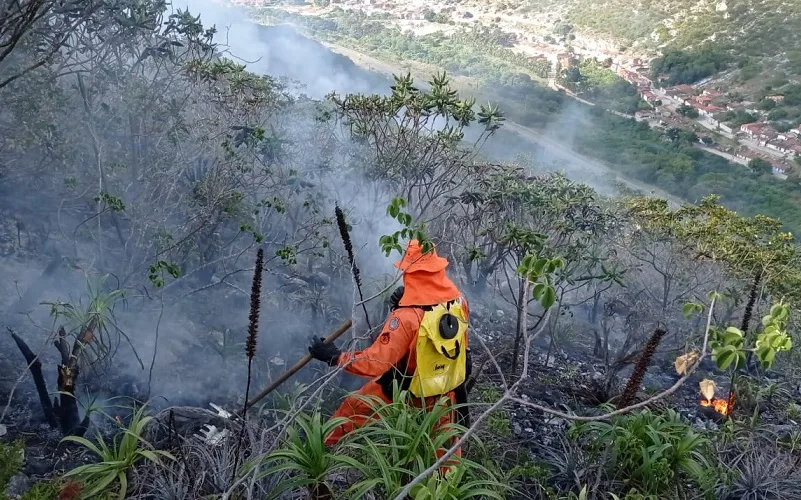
[
  {"x": 327, "y": 353},
  {"x": 395, "y": 298}
]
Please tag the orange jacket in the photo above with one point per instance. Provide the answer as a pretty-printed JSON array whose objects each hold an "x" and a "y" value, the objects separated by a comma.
[{"x": 398, "y": 339}]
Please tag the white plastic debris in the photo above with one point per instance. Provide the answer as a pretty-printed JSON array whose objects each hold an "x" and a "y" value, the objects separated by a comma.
[
  {"x": 212, "y": 436},
  {"x": 222, "y": 412},
  {"x": 3, "y": 430},
  {"x": 277, "y": 361}
]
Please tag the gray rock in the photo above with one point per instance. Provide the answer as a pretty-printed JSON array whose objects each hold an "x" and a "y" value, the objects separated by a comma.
[
  {"x": 783, "y": 431},
  {"x": 17, "y": 485}
]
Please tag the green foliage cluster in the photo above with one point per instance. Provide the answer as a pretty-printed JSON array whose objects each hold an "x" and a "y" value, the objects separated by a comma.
[
  {"x": 652, "y": 453},
  {"x": 388, "y": 450},
  {"x": 689, "y": 66},
  {"x": 116, "y": 459},
  {"x": 729, "y": 346},
  {"x": 677, "y": 167},
  {"x": 409, "y": 231},
  {"x": 12, "y": 457},
  {"x": 736, "y": 118},
  {"x": 602, "y": 86}
]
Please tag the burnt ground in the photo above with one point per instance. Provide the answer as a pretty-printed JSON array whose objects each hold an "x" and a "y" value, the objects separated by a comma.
[{"x": 569, "y": 380}]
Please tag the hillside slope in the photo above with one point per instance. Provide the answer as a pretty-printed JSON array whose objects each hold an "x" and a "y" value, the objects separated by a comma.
[{"x": 754, "y": 27}]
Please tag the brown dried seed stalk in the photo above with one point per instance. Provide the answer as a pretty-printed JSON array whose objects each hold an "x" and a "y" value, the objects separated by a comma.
[
  {"x": 640, "y": 368},
  {"x": 255, "y": 298}
]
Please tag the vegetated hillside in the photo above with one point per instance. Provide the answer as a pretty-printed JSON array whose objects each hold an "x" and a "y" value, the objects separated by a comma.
[
  {"x": 762, "y": 33},
  {"x": 170, "y": 234},
  {"x": 665, "y": 158},
  {"x": 755, "y": 27}
]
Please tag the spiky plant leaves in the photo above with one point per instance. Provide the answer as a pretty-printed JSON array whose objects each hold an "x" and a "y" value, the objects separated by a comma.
[
  {"x": 127, "y": 449},
  {"x": 452, "y": 487},
  {"x": 304, "y": 453},
  {"x": 403, "y": 441},
  {"x": 652, "y": 452}
]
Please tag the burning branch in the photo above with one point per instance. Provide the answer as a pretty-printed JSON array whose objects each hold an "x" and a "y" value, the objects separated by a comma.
[{"x": 722, "y": 406}]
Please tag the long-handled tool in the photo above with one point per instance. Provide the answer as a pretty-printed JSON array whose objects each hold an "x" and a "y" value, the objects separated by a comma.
[{"x": 300, "y": 364}]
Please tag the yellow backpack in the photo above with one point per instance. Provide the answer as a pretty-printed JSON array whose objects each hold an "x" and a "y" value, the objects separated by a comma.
[{"x": 441, "y": 351}]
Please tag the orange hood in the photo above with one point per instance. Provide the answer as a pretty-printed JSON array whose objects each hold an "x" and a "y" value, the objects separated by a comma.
[{"x": 424, "y": 280}]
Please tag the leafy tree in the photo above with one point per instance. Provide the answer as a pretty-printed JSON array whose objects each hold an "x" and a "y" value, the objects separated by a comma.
[
  {"x": 767, "y": 104},
  {"x": 689, "y": 66},
  {"x": 687, "y": 111},
  {"x": 759, "y": 166},
  {"x": 412, "y": 160}
]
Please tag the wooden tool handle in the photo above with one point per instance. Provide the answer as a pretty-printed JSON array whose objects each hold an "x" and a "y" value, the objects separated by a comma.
[{"x": 300, "y": 364}]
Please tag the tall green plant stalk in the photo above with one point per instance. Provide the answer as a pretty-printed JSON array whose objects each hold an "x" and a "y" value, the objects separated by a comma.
[
  {"x": 640, "y": 368},
  {"x": 250, "y": 347},
  {"x": 345, "y": 235}
]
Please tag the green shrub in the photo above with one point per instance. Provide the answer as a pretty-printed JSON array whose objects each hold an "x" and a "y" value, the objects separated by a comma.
[
  {"x": 652, "y": 453},
  {"x": 116, "y": 458},
  {"x": 12, "y": 457},
  {"x": 386, "y": 453}
]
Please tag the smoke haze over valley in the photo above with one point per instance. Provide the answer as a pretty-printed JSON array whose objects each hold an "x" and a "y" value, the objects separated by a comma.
[{"x": 183, "y": 215}]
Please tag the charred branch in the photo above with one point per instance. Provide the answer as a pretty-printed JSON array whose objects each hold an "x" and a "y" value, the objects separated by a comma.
[
  {"x": 62, "y": 412},
  {"x": 35, "y": 367}
]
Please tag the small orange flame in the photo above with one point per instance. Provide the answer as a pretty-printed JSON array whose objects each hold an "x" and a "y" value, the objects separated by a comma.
[{"x": 720, "y": 405}]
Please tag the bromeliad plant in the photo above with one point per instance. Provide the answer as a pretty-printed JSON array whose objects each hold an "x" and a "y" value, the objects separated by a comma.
[
  {"x": 653, "y": 453},
  {"x": 95, "y": 317},
  {"x": 117, "y": 458},
  {"x": 403, "y": 441},
  {"x": 305, "y": 455}
]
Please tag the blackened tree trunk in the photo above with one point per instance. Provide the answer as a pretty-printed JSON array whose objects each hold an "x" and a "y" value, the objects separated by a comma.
[
  {"x": 63, "y": 411},
  {"x": 521, "y": 310}
]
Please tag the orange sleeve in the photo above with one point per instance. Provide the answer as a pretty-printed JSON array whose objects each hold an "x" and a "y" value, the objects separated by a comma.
[{"x": 395, "y": 341}]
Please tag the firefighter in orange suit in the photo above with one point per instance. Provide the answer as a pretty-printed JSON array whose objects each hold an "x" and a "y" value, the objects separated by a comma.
[{"x": 392, "y": 355}]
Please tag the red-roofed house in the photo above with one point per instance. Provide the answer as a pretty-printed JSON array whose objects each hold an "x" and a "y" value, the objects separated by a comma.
[
  {"x": 706, "y": 110},
  {"x": 751, "y": 129},
  {"x": 759, "y": 129},
  {"x": 778, "y": 168},
  {"x": 649, "y": 96},
  {"x": 680, "y": 91}
]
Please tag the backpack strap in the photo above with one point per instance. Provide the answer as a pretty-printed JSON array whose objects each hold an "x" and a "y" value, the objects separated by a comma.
[{"x": 456, "y": 355}]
